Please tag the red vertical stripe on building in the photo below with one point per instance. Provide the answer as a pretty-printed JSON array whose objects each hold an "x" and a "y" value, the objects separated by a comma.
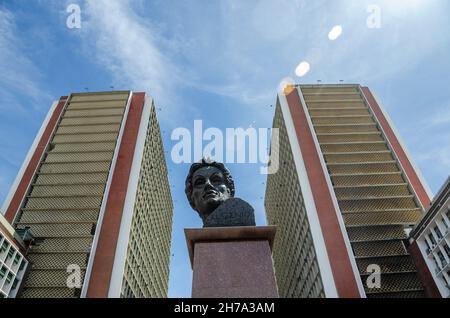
[
  {"x": 398, "y": 149},
  {"x": 33, "y": 164},
  {"x": 100, "y": 277},
  {"x": 423, "y": 271},
  {"x": 341, "y": 266}
]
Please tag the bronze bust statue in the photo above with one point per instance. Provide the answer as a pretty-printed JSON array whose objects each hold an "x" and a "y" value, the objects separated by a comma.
[{"x": 210, "y": 191}]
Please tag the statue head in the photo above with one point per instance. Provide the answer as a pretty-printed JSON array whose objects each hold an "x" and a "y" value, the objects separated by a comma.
[{"x": 208, "y": 185}]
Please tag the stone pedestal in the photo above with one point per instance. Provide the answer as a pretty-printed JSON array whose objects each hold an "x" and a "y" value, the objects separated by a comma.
[{"x": 232, "y": 262}]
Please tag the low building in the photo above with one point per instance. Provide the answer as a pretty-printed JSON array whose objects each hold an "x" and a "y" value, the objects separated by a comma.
[
  {"x": 13, "y": 263},
  {"x": 430, "y": 244}
]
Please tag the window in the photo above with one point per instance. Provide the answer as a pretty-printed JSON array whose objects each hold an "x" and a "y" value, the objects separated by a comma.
[
  {"x": 22, "y": 265},
  {"x": 438, "y": 232},
  {"x": 431, "y": 237},
  {"x": 9, "y": 278},
  {"x": 10, "y": 253},
  {"x": 447, "y": 250},
  {"x": 442, "y": 258},
  {"x": 14, "y": 285},
  {"x": 4, "y": 247},
  {"x": 16, "y": 259},
  {"x": 2, "y": 272},
  {"x": 437, "y": 264},
  {"x": 444, "y": 223},
  {"x": 428, "y": 245}
]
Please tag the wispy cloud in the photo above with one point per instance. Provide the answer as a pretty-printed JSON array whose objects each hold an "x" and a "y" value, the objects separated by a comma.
[
  {"x": 125, "y": 44},
  {"x": 22, "y": 98},
  {"x": 19, "y": 76}
]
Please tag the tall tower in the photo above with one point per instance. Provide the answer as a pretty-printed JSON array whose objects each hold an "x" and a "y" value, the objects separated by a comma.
[
  {"x": 345, "y": 196},
  {"x": 95, "y": 194}
]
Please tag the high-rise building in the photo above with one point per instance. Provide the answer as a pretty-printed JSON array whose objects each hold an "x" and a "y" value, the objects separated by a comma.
[
  {"x": 344, "y": 198},
  {"x": 430, "y": 244},
  {"x": 94, "y": 192},
  {"x": 13, "y": 262}
]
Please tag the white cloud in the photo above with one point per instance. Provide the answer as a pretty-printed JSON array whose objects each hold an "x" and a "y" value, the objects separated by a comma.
[
  {"x": 18, "y": 76},
  {"x": 22, "y": 98},
  {"x": 126, "y": 45}
]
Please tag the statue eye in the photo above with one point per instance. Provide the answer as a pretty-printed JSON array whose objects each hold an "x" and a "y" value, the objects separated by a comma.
[
  {"x": 216, "y": 179},
  {"x": 199, "y": 181}
]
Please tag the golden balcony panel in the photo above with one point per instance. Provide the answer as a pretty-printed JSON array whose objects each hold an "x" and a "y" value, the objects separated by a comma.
[
  {"x": 362, "y": 146},
  {"x": 358, "y": 157},
  {"x": 359, "y": 179},
  {"x": 377, "y": 204},
  {"x": 70, "y": 202},
  {"x": 378, "y": 248},
  {"x": 405, "y": 217},
  {"x": 333, "y": 90},
  {"x": 97, "y": 105},
  {"x": 346, "y": 128},
  {"x": 311, "y": 97},
  {"x": 333, "y": 120},
  {"x": 48, "y": 278},
  {"x": 58, "y": 260},
  {"x": 375, "y": 233},
  {"x": 361, "y": 168},
  {"x": 349, "y": 137},
  {"x": 111, "y": 137},
  {"x": 59, "y": 216},
  {"x": 393, "y": 283},
  {"x": 78, "y": 156},
  {"x": 87, "y": 147},
  {"x": 93, "y": 112},
  {"x": 345, "y": 193},
  {"x": 75, "y": 167},
  {"x": 65, "y": 190},
  {"x": 65, "y": 244},
  {"x": 71, "y": 178},
  {"x": 106, "y": 128},
  {"x": 91, "y": 120},
  {"x": 62, "y": 292},
  {"x": 59, "y": 230},
  {"x": 96, "y": 97},
  {"x": 338, "y": 111},
  {"x": 401, "y": 294},
  {"x": 388, "y": 264}
]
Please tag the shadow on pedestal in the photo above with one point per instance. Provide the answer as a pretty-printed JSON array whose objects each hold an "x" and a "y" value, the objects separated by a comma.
[{"x": 232, "y": 262}]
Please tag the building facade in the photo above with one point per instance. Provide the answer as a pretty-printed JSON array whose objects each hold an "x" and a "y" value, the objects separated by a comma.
[
  {"x": 13, "y": 261},
  {"x": 430, "y": 244},
  {"x": 344, "y": 198},
  {"x": 94, "y": 193}
]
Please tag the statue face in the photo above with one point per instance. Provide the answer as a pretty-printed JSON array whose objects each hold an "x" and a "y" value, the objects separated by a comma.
[{"x": 209, "y": 190}]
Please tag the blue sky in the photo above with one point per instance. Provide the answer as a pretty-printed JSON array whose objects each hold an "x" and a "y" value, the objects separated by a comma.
[{"x": 222, "y": 62}]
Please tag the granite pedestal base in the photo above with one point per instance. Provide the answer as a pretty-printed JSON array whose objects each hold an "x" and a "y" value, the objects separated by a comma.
[{"x": 232, "y": 262}]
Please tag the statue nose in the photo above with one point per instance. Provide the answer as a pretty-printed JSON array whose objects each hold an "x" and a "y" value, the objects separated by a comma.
[{"x": 208, "y": 184}]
